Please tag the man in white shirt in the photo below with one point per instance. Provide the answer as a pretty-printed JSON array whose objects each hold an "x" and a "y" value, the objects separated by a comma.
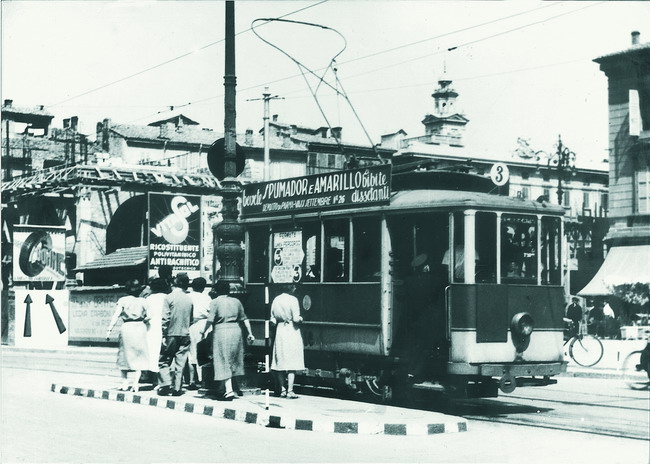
[
  {"x": 201, "y": 304},
  {"x": 459, "y": 261}
]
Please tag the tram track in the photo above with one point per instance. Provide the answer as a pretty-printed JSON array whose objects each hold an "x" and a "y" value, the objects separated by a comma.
[
  {"x": 594, "y": 414},
  {"x": 566, "y": 428}
]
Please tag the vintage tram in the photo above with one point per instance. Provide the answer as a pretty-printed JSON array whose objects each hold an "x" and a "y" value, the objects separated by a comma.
[{"x": 423, "y": 280}]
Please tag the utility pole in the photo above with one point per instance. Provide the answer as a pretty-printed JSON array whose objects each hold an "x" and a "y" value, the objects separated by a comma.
[
  {"x": 267, "y": 148},
  {"x": 266, "y": 97},
  {"x": 228, "y": 233}
]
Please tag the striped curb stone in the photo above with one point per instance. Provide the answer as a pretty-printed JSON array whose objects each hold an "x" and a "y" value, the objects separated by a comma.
[{"x": 266, "y": 419}]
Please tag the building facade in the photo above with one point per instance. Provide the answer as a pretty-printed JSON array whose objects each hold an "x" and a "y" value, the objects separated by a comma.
[{"x": 625, "y": 274}]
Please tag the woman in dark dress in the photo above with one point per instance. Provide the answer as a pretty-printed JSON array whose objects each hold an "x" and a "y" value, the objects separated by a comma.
[{"x": 226, "y": 316}]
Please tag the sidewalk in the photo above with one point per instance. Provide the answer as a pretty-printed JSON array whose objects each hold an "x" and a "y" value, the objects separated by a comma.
[
  {"x": 91, "y": 372},
  {"x": 609, "y": 366},
  {"x": 313, "y": 413},
  {"x": 309, "y": 413}
]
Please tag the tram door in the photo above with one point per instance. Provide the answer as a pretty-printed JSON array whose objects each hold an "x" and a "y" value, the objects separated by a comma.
[{"x": 419, "y": 243}]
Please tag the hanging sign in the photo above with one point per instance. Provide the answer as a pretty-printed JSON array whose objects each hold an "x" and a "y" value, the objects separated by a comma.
[
  {"x": 340, "y": 189},
  {"x": 287, "y": 257},
  {"x": 500, "y": 174}
]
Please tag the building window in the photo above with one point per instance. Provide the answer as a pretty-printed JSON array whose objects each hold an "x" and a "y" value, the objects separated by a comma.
[
  {"x": 604, "y": 204},
  {"x": 586, "y": 206},
  {"x": 643, "y": 190},
  {"x": 547, "y": 194},
  {"x": 566, "y": 199}
]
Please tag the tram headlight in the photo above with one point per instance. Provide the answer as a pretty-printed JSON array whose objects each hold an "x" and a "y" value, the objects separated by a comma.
[{"x": 521, "y": 326}]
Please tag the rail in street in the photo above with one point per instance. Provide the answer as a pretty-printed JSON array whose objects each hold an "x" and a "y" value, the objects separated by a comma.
[{"x": 594, "y": 406}]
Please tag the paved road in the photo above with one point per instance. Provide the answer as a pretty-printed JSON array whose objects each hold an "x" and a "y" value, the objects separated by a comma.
[
  {"x": 40, "y": 426},
  {"x": 596, "y": 406}
]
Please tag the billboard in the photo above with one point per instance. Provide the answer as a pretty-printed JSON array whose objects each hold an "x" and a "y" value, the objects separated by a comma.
[
  {"x": 340, "y": 189},
  {"x": 39, "y": 253},
  {"x": 175, "y": 233},
  {"x": 90, "y": 314},
  {"x": 41, "y": 318}
]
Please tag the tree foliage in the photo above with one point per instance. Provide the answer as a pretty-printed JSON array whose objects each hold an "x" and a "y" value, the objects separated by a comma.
[{"x": 637, "y": 293}]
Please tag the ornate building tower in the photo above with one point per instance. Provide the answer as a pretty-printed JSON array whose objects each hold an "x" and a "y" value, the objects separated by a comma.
[{"x": 446, "y": 125}]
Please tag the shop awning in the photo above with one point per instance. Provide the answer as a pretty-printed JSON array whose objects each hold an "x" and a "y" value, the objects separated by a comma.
[
  {"x": 623, "y": 265},
  {"x": 123, "y": 257}
]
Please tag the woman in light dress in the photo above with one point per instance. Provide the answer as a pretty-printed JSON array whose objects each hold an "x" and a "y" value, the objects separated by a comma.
[
  {"x": 159, "y": 290},
  {"x": 132, "y": 355},
  {"x": 288, "y": 349}
]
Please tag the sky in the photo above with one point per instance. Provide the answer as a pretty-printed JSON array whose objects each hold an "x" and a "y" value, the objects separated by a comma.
[{"x": 522, "y": 69}]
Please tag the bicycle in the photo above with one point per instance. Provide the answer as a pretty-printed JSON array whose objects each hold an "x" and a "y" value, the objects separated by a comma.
[
  {"x": 636, "y": 368},
  {"x": 585, "y": 349}
]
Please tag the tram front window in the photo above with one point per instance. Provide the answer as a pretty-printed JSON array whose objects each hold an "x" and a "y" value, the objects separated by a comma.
[
  {"x": 311, "y": 245},
  {"x": 551, "y": 246},
  {"x": 518, "y": 248},
  {"x": 367, "y": 249},
  {"x": 258, "y": 254},
  {"x": 486, "y": 242},
  {"x": 336, "y": 266}
]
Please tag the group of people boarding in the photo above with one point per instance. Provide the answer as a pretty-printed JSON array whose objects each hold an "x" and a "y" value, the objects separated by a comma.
[{"x": 163, "y": 324}]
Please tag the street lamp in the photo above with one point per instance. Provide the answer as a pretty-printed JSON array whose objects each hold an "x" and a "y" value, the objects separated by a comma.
[
  {"x": 228, "y": 233},
  {"x": 564, "y": 162}
]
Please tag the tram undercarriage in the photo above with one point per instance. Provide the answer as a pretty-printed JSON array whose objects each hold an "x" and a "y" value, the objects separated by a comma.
[{"x": 387, "y": 378}]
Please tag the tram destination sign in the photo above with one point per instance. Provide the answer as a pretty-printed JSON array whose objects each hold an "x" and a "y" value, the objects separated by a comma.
[{"x": 340, "y": 189}]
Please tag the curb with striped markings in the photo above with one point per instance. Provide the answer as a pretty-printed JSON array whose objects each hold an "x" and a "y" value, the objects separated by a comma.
[{"x": 264, "y": 418}]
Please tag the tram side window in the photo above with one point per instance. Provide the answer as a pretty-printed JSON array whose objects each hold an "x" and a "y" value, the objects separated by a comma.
[
  {"x": 486, "y": 243},
  {"x": 367, "y": 249},
  {"x": 551, "y": 248},
  {"x": 336, "y": 266},
  {"x": 457, "y": 259},
  {"x": 311, "y": 246},
  {"x": 519, "y": 248},
  {"x": 258, "y": 254}
]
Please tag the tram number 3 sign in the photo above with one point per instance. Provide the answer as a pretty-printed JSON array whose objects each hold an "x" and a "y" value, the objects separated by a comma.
[
  {"x": 287, "y": 257},
  {"x": 499, "y": 174}
]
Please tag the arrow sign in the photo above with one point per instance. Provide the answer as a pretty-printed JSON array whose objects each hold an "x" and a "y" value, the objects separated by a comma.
[
  {"x": 27, "y": 332},
  {"x": 59, "y": 323}
]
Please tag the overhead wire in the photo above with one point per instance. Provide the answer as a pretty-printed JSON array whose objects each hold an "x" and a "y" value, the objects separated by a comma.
[
  {"x": 302, "y": 67},
  {"x": 474, "y": 26},
  {"x": 412, "y": 43},
  {"x": 171, "y": 60},
  {"x": 456, "y": 79}
]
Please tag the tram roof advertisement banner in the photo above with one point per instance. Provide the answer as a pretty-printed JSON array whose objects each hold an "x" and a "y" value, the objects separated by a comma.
[
  {"x": 175, "y": 233},
  {"x": 340, "y": 189},
  {"x": 39, "y": 253}
]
